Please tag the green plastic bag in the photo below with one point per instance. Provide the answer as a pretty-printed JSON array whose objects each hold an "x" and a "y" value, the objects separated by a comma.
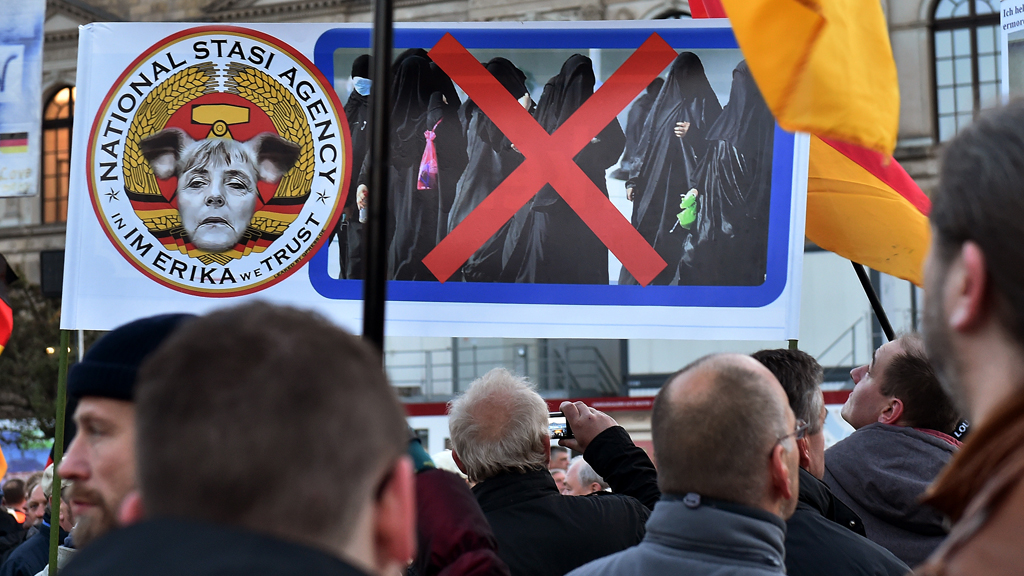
[{"x": 689, "y": 205}]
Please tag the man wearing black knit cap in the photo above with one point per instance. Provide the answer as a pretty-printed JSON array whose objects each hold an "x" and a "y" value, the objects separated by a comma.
[{"x": 101, "y": 458}]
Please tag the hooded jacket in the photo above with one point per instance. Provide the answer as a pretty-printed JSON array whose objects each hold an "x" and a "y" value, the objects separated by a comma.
[
  {"x": 172, "y": 547},
  {"x": 700, "y": 537},
  {"x": 881, "y": 472},
  {"x": 816, "y": 543}
]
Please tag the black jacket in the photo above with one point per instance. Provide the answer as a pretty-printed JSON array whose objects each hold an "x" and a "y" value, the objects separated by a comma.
[
  {"x": 817, "y": 544},
  {"x": 33, "y": 555},
  {"x": 12, "y": 534},
  {"x": 166, "y": 547},
  {"x": 543, "y": 533}
]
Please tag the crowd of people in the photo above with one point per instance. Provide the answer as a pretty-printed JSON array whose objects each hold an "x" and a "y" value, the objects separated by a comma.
[
  {"x": 261, "y": 439},
  {"x": 447, "y": 156}
]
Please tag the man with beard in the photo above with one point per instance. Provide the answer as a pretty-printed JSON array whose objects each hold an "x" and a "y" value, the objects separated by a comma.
[
  {"x": 974, "y": 331},
  {"x": 101, "y": 459}
]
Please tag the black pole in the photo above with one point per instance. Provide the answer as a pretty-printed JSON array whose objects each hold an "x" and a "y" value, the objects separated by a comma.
[
  {"x": 375, "y": 282},
  {"x": 876, "y": 304}
]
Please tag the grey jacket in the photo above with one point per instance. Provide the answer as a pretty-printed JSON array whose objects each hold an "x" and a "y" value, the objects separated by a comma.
[
  {"x": 881, "y": 471},
  {"x": 700, "y": 538}
]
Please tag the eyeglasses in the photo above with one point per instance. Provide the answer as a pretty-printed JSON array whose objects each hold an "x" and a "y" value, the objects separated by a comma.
[{"x": 798, "y": 433}]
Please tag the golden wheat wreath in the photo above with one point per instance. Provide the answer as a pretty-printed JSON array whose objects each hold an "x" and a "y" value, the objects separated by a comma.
[{"x": 178, "y": 90}]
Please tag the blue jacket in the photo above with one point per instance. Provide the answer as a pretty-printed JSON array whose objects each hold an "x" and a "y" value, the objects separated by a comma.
[{"x": 700, "y": 537}]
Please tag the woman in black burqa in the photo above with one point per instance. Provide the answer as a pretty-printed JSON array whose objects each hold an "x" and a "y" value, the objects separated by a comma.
[
  {"x": 552, "y": 244},
  {"x": 491, "y": 159},
  {"x": 635, "y": 120},
  {"x": 419, "y": 93},
  {"x": 665, "y": 166},
  {"x": 453, "y": 155},
  {"x": 727, "y": 245}
]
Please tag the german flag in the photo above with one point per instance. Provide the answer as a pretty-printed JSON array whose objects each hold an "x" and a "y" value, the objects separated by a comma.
[
  {"x": 864, "y": 206},
  {"x": 7, "y": 277},
  {"x": 826, "y": 67},
  {"x": 14, "y": 142}
]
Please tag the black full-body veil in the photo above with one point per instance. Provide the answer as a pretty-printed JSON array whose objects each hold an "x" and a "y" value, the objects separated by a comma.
[
  {"x": 450, "y": 144},
  {"x": 417, "y": 95},
  {"x": 553, "y": 245},
  {"x": 635, "y": 120},
  {"x": 727, "y": 245},
  {"x": 665, "y": 165},
  {"x": 491, "y": 160}
]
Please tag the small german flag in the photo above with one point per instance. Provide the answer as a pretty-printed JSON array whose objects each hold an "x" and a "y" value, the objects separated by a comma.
[
  {"x": 14, "y": 142},
  {"x": 7, "y": 277}
]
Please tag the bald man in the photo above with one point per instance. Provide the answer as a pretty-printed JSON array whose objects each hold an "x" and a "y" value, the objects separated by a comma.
[{"x": 728, "y": 469}]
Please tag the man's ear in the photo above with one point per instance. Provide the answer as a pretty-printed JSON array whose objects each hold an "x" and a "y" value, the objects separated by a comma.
[
  {"x": 458, "y": 462},
  {"x": 779, "y": 473},
  {"x": 892, "y": 413},
  {"x": 804, "y": 449},
  {"x": 132, "y": 510},
  {"x": 966, "y": 288},
  {"x": 275, "y": 156},
  {"x": 595, "y": 487},
  {"x": 163, "y": 150},
  {"x": 395, "y": 518}
]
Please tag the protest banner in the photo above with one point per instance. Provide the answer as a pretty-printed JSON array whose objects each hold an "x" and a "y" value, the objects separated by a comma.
[
  {"x": 1011, "y": 44},
  {"x": 220, "y": 165},
  {"x": 21, "y": 69}
]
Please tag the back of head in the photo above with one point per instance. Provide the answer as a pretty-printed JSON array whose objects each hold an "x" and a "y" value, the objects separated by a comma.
[
  {"x": 14, "y": 491},
  {"x": 245, "y": 401},
  {"x": 910, "y": 377},
  {"x": 979, "y": 199},
  {"x": 713, "y": 426},
  {"x": 801, "y": 377},
  {"x": 499, "y": 425},
  {"x": 585, "y": 473}
]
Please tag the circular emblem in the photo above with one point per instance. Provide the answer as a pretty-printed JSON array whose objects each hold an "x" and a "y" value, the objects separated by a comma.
[{"x": 218, "y": 161}]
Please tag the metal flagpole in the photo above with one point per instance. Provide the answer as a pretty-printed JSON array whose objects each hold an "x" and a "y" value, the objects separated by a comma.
[
  {"x": 876, "y": 304},
  {"x": 375, "y": 281},
  {"x": 58, "y": 446}
]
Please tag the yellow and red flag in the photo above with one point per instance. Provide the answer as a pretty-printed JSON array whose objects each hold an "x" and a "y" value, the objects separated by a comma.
[
  {"x": 826, "y": 67},
  {"x": 864, "y": 206},
  {"x": 7, "y": 277}
]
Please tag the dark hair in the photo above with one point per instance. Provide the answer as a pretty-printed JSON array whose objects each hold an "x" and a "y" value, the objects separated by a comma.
[
  {"x": 559, "y": 450},
  {"x": 801, "y": 377},
  {"x": 979, "y": 199},
  {"x": 715, "y": 442},
  {"x": 910, "y": 377},
  {"x": 14, "y": 491},
  {"x": 245, "y": 401}
]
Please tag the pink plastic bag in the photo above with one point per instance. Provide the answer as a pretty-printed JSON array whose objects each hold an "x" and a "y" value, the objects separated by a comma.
[{"x": 428, "y": 164}]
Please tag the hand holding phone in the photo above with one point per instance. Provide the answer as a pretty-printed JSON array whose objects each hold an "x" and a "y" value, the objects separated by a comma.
[
  {"x": 586, "y": 422},
  {"x": 558, "y": 427}
]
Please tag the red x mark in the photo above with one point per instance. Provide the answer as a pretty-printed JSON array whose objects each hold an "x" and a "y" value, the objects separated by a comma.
[{"x": 549, "y": 158}]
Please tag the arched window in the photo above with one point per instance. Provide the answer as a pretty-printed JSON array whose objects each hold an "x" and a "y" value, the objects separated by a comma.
[
  {"x": 965, "y": 38},
  {"x": 57, "y": 119}
]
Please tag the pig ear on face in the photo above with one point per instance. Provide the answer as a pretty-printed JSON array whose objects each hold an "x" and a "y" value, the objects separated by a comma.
[
  {"x": 163, "y": 150},
  {"x": 275, "y": 156}
]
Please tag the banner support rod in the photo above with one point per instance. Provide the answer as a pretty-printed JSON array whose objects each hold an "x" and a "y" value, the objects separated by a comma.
[
  {"x": 876, "y": 304},
  {"x": 375, "y": 256},
  {"x": 58, "y": 446}
]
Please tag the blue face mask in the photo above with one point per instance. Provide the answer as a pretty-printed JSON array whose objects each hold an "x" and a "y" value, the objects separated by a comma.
[{"x": 362, "y": 85}]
